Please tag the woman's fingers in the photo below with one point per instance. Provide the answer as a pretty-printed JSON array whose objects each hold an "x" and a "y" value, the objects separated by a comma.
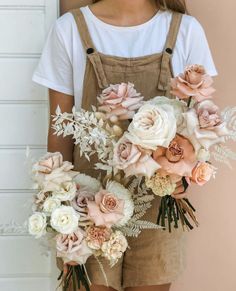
[
  {"x": 180, "y": 196},
  {"x": 72, "y": 263},
  {"x": 65, "y": 267},
  {"x": 179, "y": 189}
]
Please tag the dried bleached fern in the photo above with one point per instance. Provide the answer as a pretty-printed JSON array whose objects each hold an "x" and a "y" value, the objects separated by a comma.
[
  {"x": 142, "y": 202},
  {"x": 88, "y": 131}
]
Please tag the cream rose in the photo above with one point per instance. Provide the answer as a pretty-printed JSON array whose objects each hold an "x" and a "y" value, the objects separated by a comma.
[
  {"x": 37, "y": 224},
  {"x": 153, "y": 126},
  {"x": 67, "y": 191},
  {"x": 50, "y": 204},
  {"x": 65, "y": 219},
  {"x": 178, "y": 106}
]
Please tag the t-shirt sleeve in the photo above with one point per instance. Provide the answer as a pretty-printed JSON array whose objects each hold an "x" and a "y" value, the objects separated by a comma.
[
  {"x": 54, "y": 69},
  {"x": 198, "y": 48}
]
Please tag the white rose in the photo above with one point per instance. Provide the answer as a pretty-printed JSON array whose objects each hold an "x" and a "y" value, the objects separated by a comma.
[
  {"x": 153, "y": 126},
  {"x": 179, "y": 108},
  {"x": 65, "y": 219},
  {"x": 37, "y": 224},
  {"x": 203, "y": 155},
  {"x": 51, "y": 204},
  {"x": 66, "y": 192}
]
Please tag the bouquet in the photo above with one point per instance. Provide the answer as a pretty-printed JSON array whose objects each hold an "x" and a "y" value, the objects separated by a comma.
[
  {"x": 161, "y": 141},
  {"x": 79, "y": 217}
]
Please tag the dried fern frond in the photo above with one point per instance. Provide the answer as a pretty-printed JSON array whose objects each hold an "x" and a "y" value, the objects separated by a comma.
[
  {"x": 223, "y": 154},
  {"x": 88, "y": 131},
  {"x": 142, "y": 202}
]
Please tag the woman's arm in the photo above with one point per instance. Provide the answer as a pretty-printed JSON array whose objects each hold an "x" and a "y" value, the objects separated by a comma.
[{"x": 57, "y": 143}]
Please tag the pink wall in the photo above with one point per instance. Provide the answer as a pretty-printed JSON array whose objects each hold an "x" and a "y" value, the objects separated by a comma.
[{"x": 211, "y": 251}]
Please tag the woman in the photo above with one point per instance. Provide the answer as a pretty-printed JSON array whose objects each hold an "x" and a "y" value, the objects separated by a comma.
[{"x": 113, "y": 41}]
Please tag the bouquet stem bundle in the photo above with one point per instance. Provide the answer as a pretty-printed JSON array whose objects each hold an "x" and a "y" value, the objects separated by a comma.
[
  {"x": 74, "y": 278},
  {"x": 175, "y": 210}
]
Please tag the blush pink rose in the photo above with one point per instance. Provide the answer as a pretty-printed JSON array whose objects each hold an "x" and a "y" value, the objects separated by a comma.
[
  {"x": 120, "y": 101},
  {"x": 208, "y": 115},
  {"x": 106, "y": 210},
  {"x": 179, "y": 158},
  {"x": 202, "y": 173},
  {"x": 49, "y": 162},
  {"x": 204, "y": 126},
  {"x": 193, "y": 82},
  {"x": 73, "y": 247},
  {"x": 133, "y": 160},
  {"x": 96, "y": 236}
]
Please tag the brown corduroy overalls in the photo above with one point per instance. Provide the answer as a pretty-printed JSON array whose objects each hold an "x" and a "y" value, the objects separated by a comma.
[{"x": 156, "y": 257}]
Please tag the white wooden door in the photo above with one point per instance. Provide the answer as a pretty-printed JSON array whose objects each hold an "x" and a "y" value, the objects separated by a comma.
[{"x": 24, "y": 25}]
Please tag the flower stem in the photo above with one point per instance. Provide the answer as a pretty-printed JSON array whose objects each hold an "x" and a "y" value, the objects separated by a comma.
[{"x": 189, "y": 101}]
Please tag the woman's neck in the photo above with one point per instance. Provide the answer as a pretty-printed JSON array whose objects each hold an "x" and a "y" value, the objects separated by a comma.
[{"x": 125, "y": 12}]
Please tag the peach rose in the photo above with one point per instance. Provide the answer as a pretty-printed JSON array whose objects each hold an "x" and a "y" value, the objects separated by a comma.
[
  {"x": 179, "y": 158},
  {"x": 133, "y": 159},
  {"x": 193, "y": 82},
  {"x": 96, "y": 236},
  {"x": 119, "y": 102},
  {"x": 106, "y": 210},
  {"x": 73, "y": 247},
  {"x": 202, "y": 173},
  {"x": 204, "y": 126}
]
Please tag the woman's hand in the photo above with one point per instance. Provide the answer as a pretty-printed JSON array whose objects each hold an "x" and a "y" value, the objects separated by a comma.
[{"x": 180, "y": 191}]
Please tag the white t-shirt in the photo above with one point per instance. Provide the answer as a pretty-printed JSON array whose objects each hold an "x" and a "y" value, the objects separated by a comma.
[{"x": 62, "y": 64}]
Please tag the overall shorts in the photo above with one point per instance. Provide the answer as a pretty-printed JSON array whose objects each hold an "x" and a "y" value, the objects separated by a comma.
[{"x": 156, "y": 257}]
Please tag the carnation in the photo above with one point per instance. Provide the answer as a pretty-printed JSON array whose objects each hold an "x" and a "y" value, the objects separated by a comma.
[
  {"x": 96, "y": 236},
  {"x": 114, "y": 248},
  {"x": 161, "y": 185}
]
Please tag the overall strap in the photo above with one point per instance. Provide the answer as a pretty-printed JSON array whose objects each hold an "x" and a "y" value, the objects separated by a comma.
[
  {"x": 89, "y": 47},
  {"x": 168, "y": 50}
]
